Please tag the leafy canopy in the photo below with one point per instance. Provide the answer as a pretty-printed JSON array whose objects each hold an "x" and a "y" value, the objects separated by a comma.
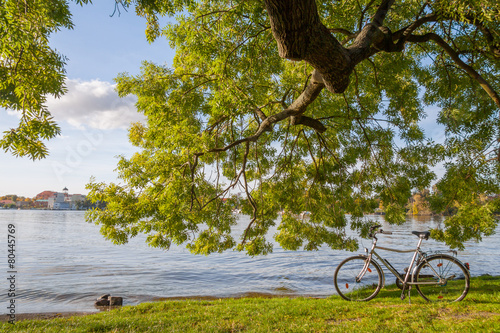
[
  {"x": 30, "y": 71},
  {"x": 300, "y": 105},
  {"x": 232, "y": 114}
]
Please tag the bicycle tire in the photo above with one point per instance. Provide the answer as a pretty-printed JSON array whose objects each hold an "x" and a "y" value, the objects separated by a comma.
[
  {"x": 455, "y": 274},
  {"x": 345, "y": 283}
]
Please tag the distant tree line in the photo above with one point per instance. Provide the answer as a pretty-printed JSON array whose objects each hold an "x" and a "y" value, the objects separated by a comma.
[
  {"x": 426, "y": 202},
  {"x": 31, "y": 203}
]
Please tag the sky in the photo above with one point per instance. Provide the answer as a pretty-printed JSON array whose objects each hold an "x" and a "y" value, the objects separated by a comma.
[{"x": 93, "y": 119}]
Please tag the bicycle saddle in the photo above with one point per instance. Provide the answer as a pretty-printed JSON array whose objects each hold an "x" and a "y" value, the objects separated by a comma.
[{"x": 422, "y": 234}]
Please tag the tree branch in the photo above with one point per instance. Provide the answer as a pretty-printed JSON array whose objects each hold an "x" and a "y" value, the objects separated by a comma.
[
  {"x": 455, "y": 57},
  {"x": 373, "y": 37},
  {"x": 494, "y": 48},
  {"x": 381, "y": 14},
  {"x": 249, "y": 196},
  {"x": 362, "y": 18},
  {"x": 296, "y": 109},
  {"x": 309, "y": 122},
  {"x": 402, "y": 35}
]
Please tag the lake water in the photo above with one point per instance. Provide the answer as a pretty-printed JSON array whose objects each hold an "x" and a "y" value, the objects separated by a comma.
[{"x": 64, "y": 264}]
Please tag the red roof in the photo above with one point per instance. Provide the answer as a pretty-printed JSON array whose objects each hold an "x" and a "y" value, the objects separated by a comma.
[
  {"x": 45, "y": 195},
  {"x": 6, "y": 202}
]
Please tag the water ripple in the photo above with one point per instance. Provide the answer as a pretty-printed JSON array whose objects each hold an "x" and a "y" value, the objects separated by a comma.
[{"x": 64, "y": 264}]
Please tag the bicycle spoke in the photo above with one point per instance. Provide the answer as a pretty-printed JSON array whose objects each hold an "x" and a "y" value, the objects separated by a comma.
[
  {"x": 447, "y": 279},
  {"x": 354, "y": 286},
  {"x": 439, "y": 277}
]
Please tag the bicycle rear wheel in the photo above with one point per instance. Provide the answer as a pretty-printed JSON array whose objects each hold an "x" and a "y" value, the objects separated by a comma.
[
  {"x": 455, "y": 280},
  {"x": 363, "y": 290}
]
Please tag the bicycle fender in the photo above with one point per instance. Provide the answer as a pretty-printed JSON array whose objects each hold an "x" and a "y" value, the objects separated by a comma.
[
  {"x": 375, "y": 263},
  {"x": 442, "y": 255}
]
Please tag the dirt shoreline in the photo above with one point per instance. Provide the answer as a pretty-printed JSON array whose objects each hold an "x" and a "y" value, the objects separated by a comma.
[{"x": 44, "y": 315}]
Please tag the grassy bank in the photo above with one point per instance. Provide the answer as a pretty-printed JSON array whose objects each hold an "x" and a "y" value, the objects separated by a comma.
[{"x": 479, "y": 312}]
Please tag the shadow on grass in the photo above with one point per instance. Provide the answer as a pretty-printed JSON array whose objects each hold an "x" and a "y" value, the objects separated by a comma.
[{"x": 481, "y": 290}]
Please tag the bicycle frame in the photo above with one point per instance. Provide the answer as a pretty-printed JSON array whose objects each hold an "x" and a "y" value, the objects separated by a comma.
[
  {"x": 417, "y": 256},
  {"x": 360, "y": 278}
]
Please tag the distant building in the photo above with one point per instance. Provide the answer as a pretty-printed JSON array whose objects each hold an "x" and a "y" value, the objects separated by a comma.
[
  {"x": 75, "y": 199},
  {"x": 6, "y": 202},
  {"x": 64, "y": 200},
  {"x": 45, "y": 195},
  {"x": 61, "y": 205},
  {"x": 41, "y": 203},
  {"x": 23, "y": 204},
  {"x": 54, "y": 202}
]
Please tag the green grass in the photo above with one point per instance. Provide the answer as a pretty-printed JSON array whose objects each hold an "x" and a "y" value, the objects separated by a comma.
[{"x": 479, "y": 312}]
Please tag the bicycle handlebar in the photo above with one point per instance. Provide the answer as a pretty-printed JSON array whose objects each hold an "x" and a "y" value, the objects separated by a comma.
[{"x": 374, "y": 231}]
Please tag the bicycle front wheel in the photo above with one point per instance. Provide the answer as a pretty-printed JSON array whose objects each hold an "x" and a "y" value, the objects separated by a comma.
[
  {"x": 446, "y": 278},
  {"x": 348, "y": 284}
]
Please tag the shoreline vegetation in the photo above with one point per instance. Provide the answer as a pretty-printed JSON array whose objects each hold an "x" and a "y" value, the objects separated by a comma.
[
  {"x": 419, "y": 204},
  {"x": 478, "y": 312}
]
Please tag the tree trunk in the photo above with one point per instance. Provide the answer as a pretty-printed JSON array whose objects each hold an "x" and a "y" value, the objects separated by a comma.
[{"x": 300, "y": 35}]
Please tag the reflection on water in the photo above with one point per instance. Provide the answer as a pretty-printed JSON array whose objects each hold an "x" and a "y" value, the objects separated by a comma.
[{"x": 64, "y": 264}]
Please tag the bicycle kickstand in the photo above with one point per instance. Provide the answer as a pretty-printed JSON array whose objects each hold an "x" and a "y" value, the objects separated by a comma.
[{"x": 403, "y": 296}]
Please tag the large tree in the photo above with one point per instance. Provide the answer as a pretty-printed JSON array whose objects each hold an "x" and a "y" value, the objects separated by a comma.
[{"x": 307, "y": 105}]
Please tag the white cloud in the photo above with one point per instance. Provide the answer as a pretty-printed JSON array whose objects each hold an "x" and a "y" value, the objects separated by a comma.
[
  {"x": 14, "y": 113},
  {"x": 94, "y": 104}
]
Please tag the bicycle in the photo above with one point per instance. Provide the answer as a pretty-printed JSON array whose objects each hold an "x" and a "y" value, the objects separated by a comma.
[{"x": 437, "y": 277}]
